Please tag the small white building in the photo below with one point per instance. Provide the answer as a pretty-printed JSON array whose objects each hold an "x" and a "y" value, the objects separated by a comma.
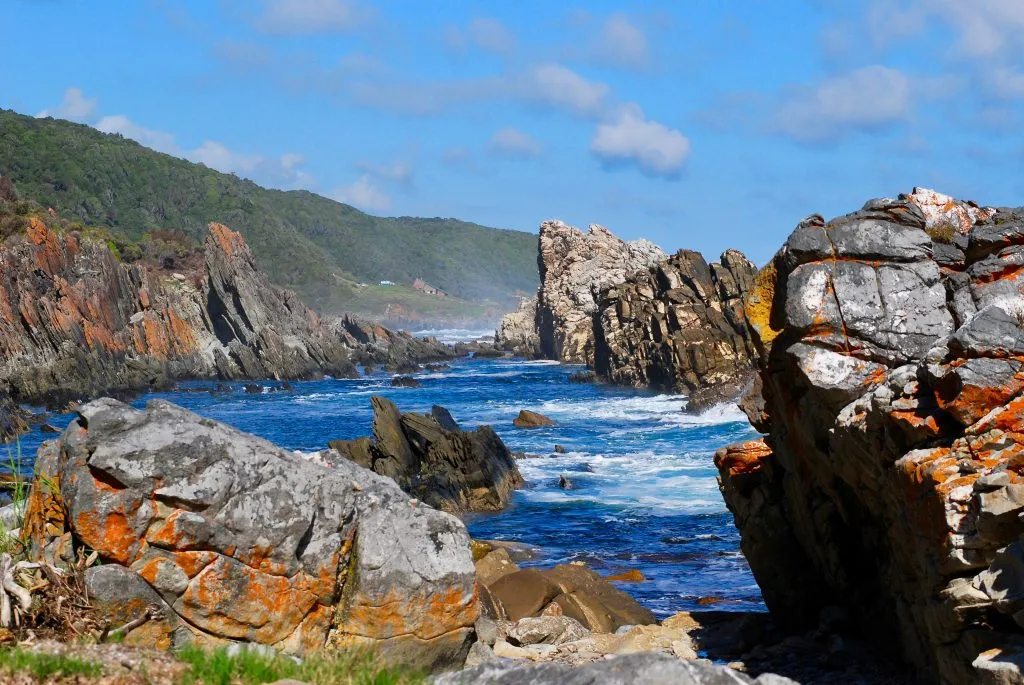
[{"x": 387, "y": 282}]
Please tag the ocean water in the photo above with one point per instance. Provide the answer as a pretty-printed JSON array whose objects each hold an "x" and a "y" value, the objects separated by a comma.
[{"x": 643, "y": 496}]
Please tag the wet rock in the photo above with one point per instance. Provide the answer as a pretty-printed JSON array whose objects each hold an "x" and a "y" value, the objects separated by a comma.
[
  {"x": 300, "y": 558},
  {"x": 374, "y": 345},
  {"x": 632, "y": 669},
  {"x": 559, "y": 449},
  {"x": 434, "y": 461},
  {"x": 531, "y": 419},
  {"x": 253, "y": 389},
  {"x": 679, "y": 326},
  {"x": 888, "y": 482},
  {"x": 631, "y": 576},
  {"x": 565, "y": 484},
  {"x": 583, "y": 377},
  {"x": 404, "y": 382}
]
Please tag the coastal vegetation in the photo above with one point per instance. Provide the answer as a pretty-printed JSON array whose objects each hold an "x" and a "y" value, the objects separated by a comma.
[{"x": 314, "y": 245}]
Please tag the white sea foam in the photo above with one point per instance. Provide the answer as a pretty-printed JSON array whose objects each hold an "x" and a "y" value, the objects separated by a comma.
[{"x": 454, "y": 335}]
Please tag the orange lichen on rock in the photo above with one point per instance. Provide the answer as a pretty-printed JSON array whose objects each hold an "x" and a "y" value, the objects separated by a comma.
[
  {"x": 395, "y": 614},
  {"x": 742, "y": 458},
  {"x": 229, "y": 241}
]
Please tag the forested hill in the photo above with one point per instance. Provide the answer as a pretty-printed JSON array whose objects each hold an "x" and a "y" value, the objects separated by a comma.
[{"x": 306, "y": 242}]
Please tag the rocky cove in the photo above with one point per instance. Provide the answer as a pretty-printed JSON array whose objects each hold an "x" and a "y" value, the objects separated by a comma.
[{"x": 877, "y": 355}]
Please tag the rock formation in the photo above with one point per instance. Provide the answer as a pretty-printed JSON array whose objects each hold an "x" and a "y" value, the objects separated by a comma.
[
  {"x": 242, "y": 541},
  {"x": 432, "y": 459},
  {"x": 636, "y": 317},
  {"x": 630, "y": 669},
  {"x": 517, "y": 332},
  {"x": 574, "y": 267},
  {"x": 889, "y": 481},
  {"x": 75, "y": 322},
  {"x": 679, "y": 327}
]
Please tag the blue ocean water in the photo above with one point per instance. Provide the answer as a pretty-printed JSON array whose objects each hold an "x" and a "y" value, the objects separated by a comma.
[{"x": 644, "y": 493}]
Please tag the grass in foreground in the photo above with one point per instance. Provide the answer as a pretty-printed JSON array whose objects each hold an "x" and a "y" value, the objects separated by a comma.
[
  {"x": 44, "y": 666},
  {"x": 217, "y": 667}
]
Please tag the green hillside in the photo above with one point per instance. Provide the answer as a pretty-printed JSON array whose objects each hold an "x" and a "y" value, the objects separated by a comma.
[{"x": 312, "y": 244}]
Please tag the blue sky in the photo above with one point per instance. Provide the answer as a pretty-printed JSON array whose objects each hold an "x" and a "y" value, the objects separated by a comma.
[{"x": 696, "y": 124}]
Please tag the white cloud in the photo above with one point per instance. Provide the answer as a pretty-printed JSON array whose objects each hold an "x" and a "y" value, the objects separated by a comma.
[
  {"x": 562, "y": 87},
  {"x": 631, "y": 138},
  {"x": 280, "y": 172},
  {"x": 74, "y": 106},
  {"x": 299, "y": 17},
  {"x": 514, "y": 143},
  {"x": 622, "y": 44},
  {"x": 400, "y": 172},
  {"x": 157, "y": 140},
  {"x": 1005, "y": 83},
  {"x": 364, "y": 194},
  {"x": 866, "y": 98},
  {"x": 552, "y": 85},
  {"x": 487, "y": 34},
  {"x": 491, "y": 35}
]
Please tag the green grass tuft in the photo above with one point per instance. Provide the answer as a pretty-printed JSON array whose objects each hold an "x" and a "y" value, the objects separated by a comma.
[
  {"x": 44, "y": 666},
  {"x": 217, "y": 667}
]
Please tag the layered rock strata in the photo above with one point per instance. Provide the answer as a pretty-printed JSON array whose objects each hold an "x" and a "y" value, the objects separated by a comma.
[
  {"x": 679, "y": 327},
  {"x": 245, "y": 542},
  {"x": 76, "y": 322},
  {"x": 434, "y": 460},
  {"x": 889, "y": 481},
  {"x": 574, "y": 268}
]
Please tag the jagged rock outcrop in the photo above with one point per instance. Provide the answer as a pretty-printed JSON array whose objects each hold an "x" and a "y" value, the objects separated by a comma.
[
  {"x": 517, "y": 332},
  {"x": 246, "y": 542},
  {"x": 12, "y": 420},
  {"x": 432, "y": 459},
  {"x": 889, "y": 481},
  {"x": 574, "y": 268},
  {"x": 679, "y": 327},
  {"x": 75, "y": 322},
  {"x": 398, "y": 351}
]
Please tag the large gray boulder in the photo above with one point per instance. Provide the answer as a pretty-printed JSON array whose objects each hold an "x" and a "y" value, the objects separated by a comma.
[
  {"x": 631, "y": 669},
  {"x": 247, "y": 542}
]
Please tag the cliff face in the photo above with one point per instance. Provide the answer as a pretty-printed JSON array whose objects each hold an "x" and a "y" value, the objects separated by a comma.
[
  {"x": 76, "y": 322},
  {"x": 890, "y": 478},
  {"x": 574, "y": 268},
  {"x": 679, "y": 327}
]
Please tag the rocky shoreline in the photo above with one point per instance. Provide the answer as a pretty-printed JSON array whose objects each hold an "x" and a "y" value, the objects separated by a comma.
[{"x": 636, "y": 316}]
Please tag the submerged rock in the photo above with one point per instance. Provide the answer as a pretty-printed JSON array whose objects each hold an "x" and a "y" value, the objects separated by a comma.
[
  {"x": 888, "y": 481},
  {"x": 432, "y": 459},
  {"x": 244, "y": 541},
  {"x": 404, "y": 382}
]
